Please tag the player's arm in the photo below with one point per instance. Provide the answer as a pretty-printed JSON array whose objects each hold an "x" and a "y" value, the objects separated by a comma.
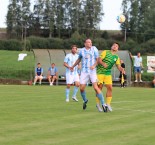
[
  {"x": 131, "y": 55},
  {"x": 42, "y": 71},
  {"x": 94, "y": 65},
  {"x": 56, "y": 73},
  {"x": 102, "y": 63},
  {"x": 66, "y": 65},
  {"x": 76, "y": 63},
  {"x": 141, "y": 64},
  {"x": 120, "y": 68},
  {"x": 36, "y": 72},
  {"x": 102, "y": 56},
  {"x": 49, "y": 72},
  {"x": 66, "y": 61},
  {"x": 118, "y": 65}
]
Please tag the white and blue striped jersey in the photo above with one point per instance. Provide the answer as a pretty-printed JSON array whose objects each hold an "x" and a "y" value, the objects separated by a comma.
[
  {"x": 88, "y": 58},
  {"x": 70, "y": 59}
]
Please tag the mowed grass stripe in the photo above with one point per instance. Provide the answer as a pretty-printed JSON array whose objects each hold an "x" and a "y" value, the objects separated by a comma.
[{"x": 39, "y": 115}]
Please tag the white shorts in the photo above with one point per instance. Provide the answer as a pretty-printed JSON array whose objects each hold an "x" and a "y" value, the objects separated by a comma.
[
  {"x": 39, "y": 77},
  {"x": 71, "y": 78},
  {"x": 86, "y": 77}
]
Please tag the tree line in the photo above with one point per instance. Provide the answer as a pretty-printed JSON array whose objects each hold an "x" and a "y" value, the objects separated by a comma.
[
  {"x": 140, "y": 22},
  {"x": 63, "y": 19},
  {"x": 53, "y": 18}
]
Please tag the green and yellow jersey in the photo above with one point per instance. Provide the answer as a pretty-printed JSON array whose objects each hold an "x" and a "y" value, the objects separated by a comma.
[{"x": 110, "y": 59}]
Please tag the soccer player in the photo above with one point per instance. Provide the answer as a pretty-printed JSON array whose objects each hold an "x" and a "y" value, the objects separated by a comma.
[
  {"x": 72, "y": 76},
  {"x": 39, "y": 74},
  {"x": 88, "y": 57},
  {"x": 52, "y": 74},
  {"x": 105, "y": 63}
]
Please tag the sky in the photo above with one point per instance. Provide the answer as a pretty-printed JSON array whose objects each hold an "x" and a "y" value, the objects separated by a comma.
[{"x": 111, "y": 9}]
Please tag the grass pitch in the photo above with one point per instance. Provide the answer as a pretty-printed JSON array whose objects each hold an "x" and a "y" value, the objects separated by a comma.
[{"x": 39, "y": 115}]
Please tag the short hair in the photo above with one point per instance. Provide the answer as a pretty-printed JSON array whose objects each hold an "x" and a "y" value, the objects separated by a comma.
[
  {"x": 117, "y": 44},
  {"x": 38, "y": 63},
  {"x": 74, "y": 46},
  {"x": 52, "y": 63},
  {"x": 87, "y": 39}
]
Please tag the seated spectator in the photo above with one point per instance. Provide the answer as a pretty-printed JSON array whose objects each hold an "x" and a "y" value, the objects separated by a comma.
[
  {"x": 154, "y": 81},
  {"x": 122, "y": 76},
  {"x": 38, "y": 74},
  {"x": 52, "y": 74}
]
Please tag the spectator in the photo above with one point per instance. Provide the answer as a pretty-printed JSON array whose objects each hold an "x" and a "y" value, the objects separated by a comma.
[
  {"x": 38, "y": 74},
  {"x": 137, "y": 66},
  {"x": 154, "y": 81},
  {"x": 52, "y": 74},
  {"x": 122, "y": 75}
]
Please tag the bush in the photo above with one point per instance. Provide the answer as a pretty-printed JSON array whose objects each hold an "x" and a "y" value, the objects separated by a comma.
[
  {"x": 130, "y": 45},
  {"x": 38, "y": 42},
  {"x": 12, "y": 45},
  {"x": 76, "y": 39},
  {"x": 26, "y": 45},
  {"x": 100, "y": 43},
  {"x": 147, "y": 76},
  {"x": 2, "y": 44},
  {"x": 55, "y": 43},
  {"x": 149, "y": 46}
]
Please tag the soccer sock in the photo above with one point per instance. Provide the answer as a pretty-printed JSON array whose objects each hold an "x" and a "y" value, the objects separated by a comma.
[
  {"x": 108, "y": 100},
  {"x": 75, "y": 91},
  {"x": 67, "y": 93},
  {"x": 83, "y": 94},
  {"x": 97, "y": 100},
  {"x": 100, "y": 96},
  {"x": 123, "y": 84}
]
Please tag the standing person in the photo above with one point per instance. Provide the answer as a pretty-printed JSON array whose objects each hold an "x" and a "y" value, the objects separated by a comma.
[
  {"x": 137, "y": 66},
  {"x": 88, "y": 57},
  {"x": 105, "y": 63},
  {"x": 122, "y": 75},
  {"x": 38, "y": 74},
  {"x": 52, "y": 74},
  {"x": 71, "y": 76}
]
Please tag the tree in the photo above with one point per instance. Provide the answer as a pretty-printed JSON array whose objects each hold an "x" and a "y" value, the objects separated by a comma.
[
  {"x": 49, "y": 16},
  {"x": 92, "y": 14},
  {"x": 11, "y": 18},
  {"x": 60, "y": 21},
  {"x": 37, "y": 16},
  {"x": 139, "y": 14}
]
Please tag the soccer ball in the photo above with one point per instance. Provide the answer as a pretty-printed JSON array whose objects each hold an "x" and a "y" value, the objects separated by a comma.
[{"x": 121, "y": 18}]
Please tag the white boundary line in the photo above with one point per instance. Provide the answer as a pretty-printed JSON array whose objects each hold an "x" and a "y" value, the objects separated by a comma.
[
  {"x": 126, "y": 102},
  {"x": 133, "y": 110}
]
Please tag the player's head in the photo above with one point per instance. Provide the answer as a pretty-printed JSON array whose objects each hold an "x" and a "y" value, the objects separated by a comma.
[
  {"x": 74, "y": 49},
  {"x": 115, "y": 46},
  {"x": 38, "y": 64},
  {"x": 88, "y": 43},
  {"x": 52, "y": 65},
  {"x": 138, "y": 54}
]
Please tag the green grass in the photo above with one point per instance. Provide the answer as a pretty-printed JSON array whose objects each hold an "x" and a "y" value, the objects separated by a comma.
[
  {"x": 14, "y": 69},
  {"x": 39, "y": 115}
]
